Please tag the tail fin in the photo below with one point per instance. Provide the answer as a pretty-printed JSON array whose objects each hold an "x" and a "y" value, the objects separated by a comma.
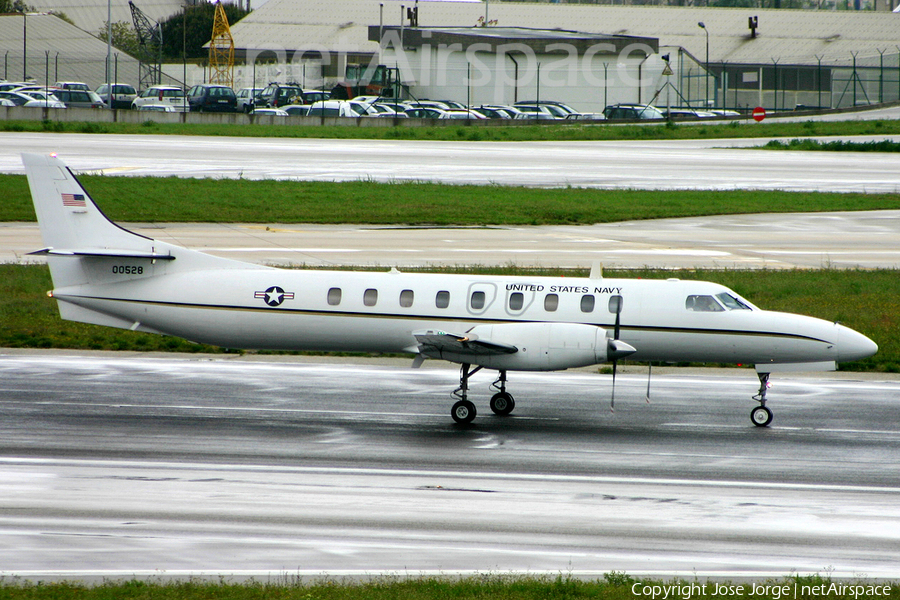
[
  {"x": 67, "y": 215},
  {"x": 85, "y": 248},
  {"x": 72, "y": 225}
]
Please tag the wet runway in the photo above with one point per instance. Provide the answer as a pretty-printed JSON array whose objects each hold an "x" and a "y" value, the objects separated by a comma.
[
  {"x": 718, "y": 164},
  {"x": 120, "y": 464}
]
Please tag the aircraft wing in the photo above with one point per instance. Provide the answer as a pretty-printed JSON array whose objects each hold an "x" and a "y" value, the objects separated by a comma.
[{"x": 436, "y": 343}]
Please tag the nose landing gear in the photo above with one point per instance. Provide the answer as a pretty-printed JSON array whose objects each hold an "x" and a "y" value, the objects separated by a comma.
[{"x": 761, "y": 415}]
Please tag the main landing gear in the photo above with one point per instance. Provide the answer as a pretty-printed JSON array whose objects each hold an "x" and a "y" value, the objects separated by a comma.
[
  {"x": 761, "y": 415},
  {"x": 463, "y": 411}
]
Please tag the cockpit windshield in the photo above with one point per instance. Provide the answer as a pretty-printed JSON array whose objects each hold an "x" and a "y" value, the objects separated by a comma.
[
  {"x": 731, "y": 302},
  {"x": 718, "y": 303}
]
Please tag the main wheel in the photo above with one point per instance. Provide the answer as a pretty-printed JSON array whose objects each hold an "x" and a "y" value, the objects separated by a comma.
[
  {"x": 463, "y": 412},
  {"x": 761, "y": 416},
  {"x": 502, "y": 403}
]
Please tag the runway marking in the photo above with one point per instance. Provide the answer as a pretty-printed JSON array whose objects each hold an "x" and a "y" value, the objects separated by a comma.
[{"x": 481, "y": 476}]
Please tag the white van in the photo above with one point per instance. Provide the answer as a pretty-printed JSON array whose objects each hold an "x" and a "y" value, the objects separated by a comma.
[{"x": 340, "y": 108}]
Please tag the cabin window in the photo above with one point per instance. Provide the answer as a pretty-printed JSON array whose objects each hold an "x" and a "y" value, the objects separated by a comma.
[
  {"x": 370, "y": 297},
  {"x": 587, "y": 303},
  {"x": 334, "y": 296},
  {"x": 477, "y": 300},
  {"x": 442, "y": 300},
  {"x": 615, "y": 304},
  {"x": 698, "y": 303},
  {"x": 406, "y": 298},
  {"x": 516, "y": 301},
  {"x": 551, "y": 302},
  {"x": 731, "y": 302}
]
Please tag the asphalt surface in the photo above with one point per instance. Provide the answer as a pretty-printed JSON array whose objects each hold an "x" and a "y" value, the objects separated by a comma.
[
  {"x": 865, "y": 239},
  {"x": 116, "y": 464},
  {"x": 693, "y": 164},
  {"x": 113, "y": 465}
]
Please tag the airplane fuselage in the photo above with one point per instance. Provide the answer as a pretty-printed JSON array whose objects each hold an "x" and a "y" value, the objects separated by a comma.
[{"x": 281, "y": 309}]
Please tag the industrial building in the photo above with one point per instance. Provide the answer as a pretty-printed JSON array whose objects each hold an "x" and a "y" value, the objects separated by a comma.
[{"x": 722, "y": 57}]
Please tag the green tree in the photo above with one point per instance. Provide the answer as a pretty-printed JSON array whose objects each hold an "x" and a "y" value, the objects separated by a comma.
[
  {"x": 14, "y": 6},
  {"x": 124, "y": 37},
  {"x": 193, "y": 28}
]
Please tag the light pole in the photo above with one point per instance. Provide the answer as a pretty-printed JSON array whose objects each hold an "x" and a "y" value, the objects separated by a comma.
[{"x": 702, "y": 25}]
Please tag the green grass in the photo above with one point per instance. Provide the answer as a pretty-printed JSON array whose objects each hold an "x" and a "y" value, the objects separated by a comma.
[
  {"x": 834, "y": 146},
  {"x": 173, "y": 199},
  {"x": 503, "y": 132},
  {"x": 863, "y": 300},
  {"x": 614, "y": 586}
]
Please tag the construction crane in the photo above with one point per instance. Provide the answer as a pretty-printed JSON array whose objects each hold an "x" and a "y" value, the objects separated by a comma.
[
  {"x": 221, "y": 50},
  {"x": 149, "y": 35}
]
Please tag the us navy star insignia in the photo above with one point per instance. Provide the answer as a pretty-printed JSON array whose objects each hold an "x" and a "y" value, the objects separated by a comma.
[{"x": 274, "y": 296}]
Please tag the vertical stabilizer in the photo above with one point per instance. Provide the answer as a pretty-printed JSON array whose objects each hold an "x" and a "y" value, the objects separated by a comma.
[
  {"x": 72, "y": 226},
  {"x": 68, "y": 218}
]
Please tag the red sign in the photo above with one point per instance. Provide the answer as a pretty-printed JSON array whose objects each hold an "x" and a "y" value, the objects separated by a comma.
[{"x": 759, "y": 113}]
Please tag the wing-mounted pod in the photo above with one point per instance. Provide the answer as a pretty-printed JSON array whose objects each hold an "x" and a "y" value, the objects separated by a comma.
[{"x": 524, "y": 346}]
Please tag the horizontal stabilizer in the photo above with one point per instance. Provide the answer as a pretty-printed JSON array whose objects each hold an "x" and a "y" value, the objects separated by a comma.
[
  {"x": 103, "y": 253},
  {"x": 435, "y": 343}
]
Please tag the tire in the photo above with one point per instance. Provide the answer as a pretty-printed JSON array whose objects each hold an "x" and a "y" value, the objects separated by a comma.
[
  {"x": 502, "y": 403},
  {"x": 761, "y": 416},
  {"x": 463, "y": 412}
]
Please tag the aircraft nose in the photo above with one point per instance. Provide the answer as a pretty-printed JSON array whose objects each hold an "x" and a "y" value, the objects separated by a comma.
[{"x": 853, "y": 345}]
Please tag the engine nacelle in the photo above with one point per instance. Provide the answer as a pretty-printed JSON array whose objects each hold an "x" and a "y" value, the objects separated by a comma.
[{"x": 541, "y": 346}]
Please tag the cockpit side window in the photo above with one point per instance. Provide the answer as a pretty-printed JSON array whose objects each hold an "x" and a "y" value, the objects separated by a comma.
[
  {"x": 698, "y": 303},
  {"x": 731, "y": 302}
]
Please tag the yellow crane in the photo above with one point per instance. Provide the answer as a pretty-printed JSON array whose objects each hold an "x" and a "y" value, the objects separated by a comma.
[{"x": 221, "y": 50}]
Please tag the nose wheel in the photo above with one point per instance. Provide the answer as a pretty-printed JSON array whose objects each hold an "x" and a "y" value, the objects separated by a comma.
[{"x": 761, "y": 415}]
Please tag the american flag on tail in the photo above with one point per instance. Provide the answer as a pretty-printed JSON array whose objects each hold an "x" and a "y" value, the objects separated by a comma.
[{"x": 76, "y": 200}]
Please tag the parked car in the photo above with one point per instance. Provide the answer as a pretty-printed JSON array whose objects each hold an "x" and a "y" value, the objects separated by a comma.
[
  {"x": 162, "y": 94},
  {"x": 297, "y": 110},
  {"x": 157, "y": 108},
  {"x": 384, "y": 110},
  {"x": 8, "y": 86},
  {"x": 632, "y": 111},
  {"x": 424, "y": 112},
  {"x": 339, "y": 108},
  {"x": 559, "y": 110},
  {"x": 25, "y": 100},
  {"x": 499, "y": 111},
  {"x": 212, "y": 98},
  {"x": 122, "y": 94},
  {"x": 278, "y": 95},
  {"x": 536, "y": 111},
  {"x": 246, "y": 98},
  {"x": 462, "y": 113},
  {"x": 72, "y": 85},
  {"x": 45, "y": 98},
  {"x": 688, "y": 113},
  {"x": 273, "y": 112},
  {"x": 76, "y": 98}
]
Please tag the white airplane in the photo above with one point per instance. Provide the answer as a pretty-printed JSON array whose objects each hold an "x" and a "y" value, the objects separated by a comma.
[{"x": 107, "y": 275}]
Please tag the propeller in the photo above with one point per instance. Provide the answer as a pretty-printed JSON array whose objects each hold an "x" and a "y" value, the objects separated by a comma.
[{"x": 616, "y": 348}]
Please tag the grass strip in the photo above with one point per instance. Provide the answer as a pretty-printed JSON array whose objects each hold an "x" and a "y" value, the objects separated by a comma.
[
  {"x": 614, "y": 586},
  {"x": 834, "y": 145},
  {"x": 174, "y": 199},
  {"x": 863, "y": 300},
  {"x": 475, "y": 131}
]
